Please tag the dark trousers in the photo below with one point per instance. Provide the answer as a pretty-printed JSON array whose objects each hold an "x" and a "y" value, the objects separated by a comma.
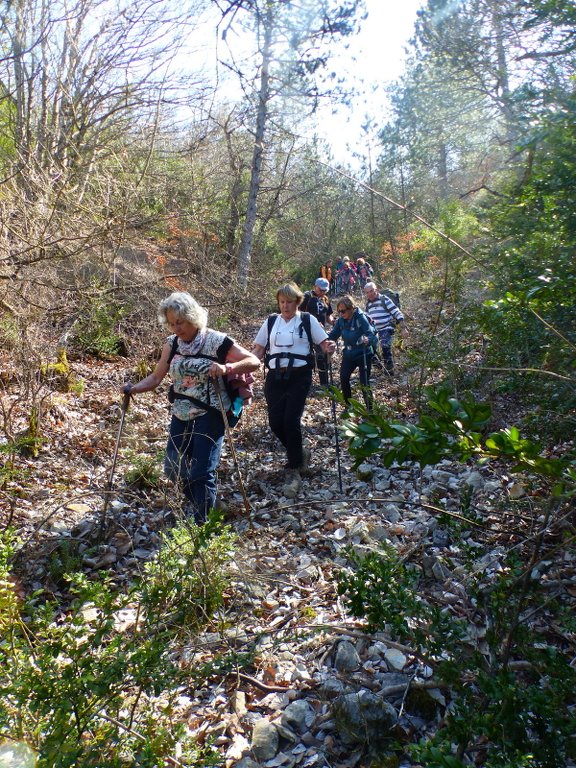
[
  {"x": 347, "y": 368},
  {"x": 322, "y": 366},
  {"x": 286, "y": 398}
]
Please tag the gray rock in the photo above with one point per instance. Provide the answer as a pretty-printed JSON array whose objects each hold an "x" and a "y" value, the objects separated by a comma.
[
  {"x": 265, "y": 740},
  {"x": 383, "y": 483},
  {"x": 365, "y": 472},
  {"x": 291, "y": 523},
  {"x": 346, "y": 659},
  {"x": 379, "y": 533},
  {"x": 391, "y": 513},
  {"x": 363, "y": 718},
  {"x": 360, "y": 532},
  {"x": 299, "y": 715},
  {"x": 331, "y": 688},
  {"x": 434, "y": 568},
  {"x": 474, "y": 479},
  {"x": 441, "y": 477},
  {"x": 440, "y": 537},
  {"x": 238, "y": 703},
  {"x": 394, "y": 679},
  {"x": 440, "y": 571}
]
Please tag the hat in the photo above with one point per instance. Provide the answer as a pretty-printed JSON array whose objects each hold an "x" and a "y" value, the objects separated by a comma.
[
  {"x": 322, "y": 283},
  {"x": 346, "y": 258}
]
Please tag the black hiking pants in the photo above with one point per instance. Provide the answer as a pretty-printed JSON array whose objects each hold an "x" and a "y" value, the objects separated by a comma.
[
  {"x": 286, "y": 398},
  {"x": 347, "y": 368}
]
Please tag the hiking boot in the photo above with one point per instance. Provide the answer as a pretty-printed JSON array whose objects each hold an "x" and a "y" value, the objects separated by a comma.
[
  {"x": 292, "y": 483},
  {"x": 305, "y": 466}
]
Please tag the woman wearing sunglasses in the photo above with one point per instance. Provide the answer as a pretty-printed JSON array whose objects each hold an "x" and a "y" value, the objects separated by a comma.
[{"x": 359, "y": 337}]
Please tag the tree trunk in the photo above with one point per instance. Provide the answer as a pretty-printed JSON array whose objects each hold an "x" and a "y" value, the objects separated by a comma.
[{"x": 245, "y": 252}]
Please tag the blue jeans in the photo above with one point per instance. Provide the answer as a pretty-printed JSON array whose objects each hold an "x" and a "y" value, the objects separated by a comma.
[
  {"x": 386, "y": 337},
  {"x": 192, "y": 458}
]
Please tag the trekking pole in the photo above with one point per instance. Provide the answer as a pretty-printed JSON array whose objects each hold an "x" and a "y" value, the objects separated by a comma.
[
  {"x": 366, "y": 388},
  {"x": 124, "y": 408},
  {"x": 247, "y": 506},
  {"x": 364, "y": 355},
  {"x": 338, "y": 464}
]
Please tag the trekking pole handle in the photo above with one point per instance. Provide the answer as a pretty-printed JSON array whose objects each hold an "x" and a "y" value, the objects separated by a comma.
[{"x": 126, "y": 401}]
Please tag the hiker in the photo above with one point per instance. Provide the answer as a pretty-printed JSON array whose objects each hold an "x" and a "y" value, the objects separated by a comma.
[
  {"x": 364, "y": 271},
  {"x": 318, "y": 304},
  {"x": 346, "y": 277},
  {"x": 325, "y": 271},
  {"x": 201, "y": 358},
  {"x": 386, "y": 316},
  {"x": 287, "y": 348},
  {"x": 358, "y": 335}
]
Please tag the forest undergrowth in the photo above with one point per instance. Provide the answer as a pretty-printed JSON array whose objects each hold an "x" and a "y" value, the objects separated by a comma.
[{"x": 98, "y": 610}]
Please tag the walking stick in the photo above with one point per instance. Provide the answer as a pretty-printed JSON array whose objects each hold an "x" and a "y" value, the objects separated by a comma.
[
  {"x": 366, "y": 390},
  {"x": 365, "y": 354},
  {"x": 125, "y": 404},
  {"x": 247, "y": 506},
  {"x": 338, "y": 464}
]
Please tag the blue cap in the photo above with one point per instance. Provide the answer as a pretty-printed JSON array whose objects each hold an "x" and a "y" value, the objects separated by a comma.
[{"x": 322, "y": 283}]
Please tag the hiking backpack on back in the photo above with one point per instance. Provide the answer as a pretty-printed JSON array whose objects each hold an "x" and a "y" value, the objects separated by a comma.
[{"x": 394, "y": 296}]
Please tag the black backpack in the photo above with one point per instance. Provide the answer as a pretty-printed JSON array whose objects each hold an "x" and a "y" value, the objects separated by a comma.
[
  {"x": 309, "y": 358},
  {"x": 233, "y": 413},
  {"x": 393, "y": 295}
]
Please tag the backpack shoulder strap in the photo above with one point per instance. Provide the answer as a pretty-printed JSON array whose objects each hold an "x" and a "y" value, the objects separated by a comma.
[
  {"x": 173, "y": 349},
  {"x": 305, "y": 301},
  {"x": 270, "y": 324},
  {"x": 305, "y": 316},
  {"x": 271, "y": 320}
]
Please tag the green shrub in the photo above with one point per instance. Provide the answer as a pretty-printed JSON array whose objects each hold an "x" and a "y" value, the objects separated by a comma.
[
  {"x": 512, "y": 701},
  {"x": 184, "y": 585},
  {"x": 83, "y": 685},
  {"x": 96, "y": 331},
  {"x": 144, "y": 472},
  {"x": 511, "y": 717}
]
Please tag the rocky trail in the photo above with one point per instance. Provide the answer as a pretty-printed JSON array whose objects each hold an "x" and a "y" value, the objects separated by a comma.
[{"x": 320, "y": 690}]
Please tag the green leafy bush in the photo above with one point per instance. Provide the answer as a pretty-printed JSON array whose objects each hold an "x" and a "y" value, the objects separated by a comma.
[
  {"x": 511, "y": 714},
  {"x": 96, "y": 331},
  {"x": 512, "y": 700},
  {"x": 453, "y": 429},
  {"x": 184, "y": 585},
  {"x": 144, "y": 472},
  {"x": 96, "y": 683}
]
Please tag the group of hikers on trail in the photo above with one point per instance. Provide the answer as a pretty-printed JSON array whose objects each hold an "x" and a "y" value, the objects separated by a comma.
[
  {"x": 348, "y": 276},
  {"x": 209, "y": 370}
]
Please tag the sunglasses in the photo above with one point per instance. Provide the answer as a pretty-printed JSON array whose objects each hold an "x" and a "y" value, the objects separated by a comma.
[{"x": 343, "y": 311}]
